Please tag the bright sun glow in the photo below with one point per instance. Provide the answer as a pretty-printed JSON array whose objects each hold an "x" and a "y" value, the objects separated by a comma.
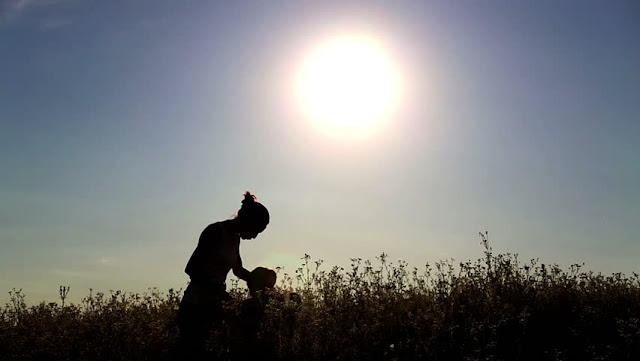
[{"x": 348, "y": 87}]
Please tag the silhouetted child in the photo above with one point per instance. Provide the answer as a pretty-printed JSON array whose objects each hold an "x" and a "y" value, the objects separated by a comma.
[{"x": 261, "y": 287}]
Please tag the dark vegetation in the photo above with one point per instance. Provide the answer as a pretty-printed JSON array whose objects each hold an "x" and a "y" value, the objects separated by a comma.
[{"x": 496, "y": 308}]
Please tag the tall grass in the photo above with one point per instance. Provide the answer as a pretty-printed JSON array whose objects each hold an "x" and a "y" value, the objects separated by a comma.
[{"x": 496, "y": 308}]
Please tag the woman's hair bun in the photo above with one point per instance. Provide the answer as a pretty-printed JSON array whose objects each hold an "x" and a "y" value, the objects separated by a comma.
[
  {"x": 248, "y": 198},
  {"x": 253, "y": 210}
]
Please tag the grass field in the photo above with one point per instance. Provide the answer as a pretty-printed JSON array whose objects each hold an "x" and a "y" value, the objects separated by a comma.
[{"x": 496, "y": 308}]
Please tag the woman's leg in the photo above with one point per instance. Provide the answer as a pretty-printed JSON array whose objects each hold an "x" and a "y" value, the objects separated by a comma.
[
  {"x": 194, "y": 321},
  {"x": 196, "y": 318}
]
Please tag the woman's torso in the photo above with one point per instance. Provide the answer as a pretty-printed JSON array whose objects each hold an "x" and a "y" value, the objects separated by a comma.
[{"x": 217, "y": 252}]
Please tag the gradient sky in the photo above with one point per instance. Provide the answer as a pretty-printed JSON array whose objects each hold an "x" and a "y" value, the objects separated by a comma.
[{"x": 128, "y": 126}]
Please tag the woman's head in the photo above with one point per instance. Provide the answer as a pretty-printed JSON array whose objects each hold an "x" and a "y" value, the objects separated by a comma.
[{"x": 252, "y": 217}]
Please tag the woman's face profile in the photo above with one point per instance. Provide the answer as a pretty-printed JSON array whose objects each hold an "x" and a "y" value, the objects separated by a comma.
[{"x": 250, "y": 230}]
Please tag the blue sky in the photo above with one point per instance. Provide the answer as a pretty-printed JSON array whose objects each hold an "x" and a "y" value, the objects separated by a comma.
[{"x": 128, "y": 126}]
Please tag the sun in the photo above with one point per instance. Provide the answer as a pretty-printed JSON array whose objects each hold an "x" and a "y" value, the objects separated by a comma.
[{"x": 348, "y": 87}]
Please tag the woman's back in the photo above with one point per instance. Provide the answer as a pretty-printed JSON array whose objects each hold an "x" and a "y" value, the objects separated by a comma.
[{"x": 216, "y": 252}]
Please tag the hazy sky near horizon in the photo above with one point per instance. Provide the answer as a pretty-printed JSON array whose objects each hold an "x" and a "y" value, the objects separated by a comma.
[{"x": 128, "y": 126}]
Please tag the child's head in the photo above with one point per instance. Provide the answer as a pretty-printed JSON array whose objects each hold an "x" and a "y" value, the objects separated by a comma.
[{"x": 261, "y": 278}]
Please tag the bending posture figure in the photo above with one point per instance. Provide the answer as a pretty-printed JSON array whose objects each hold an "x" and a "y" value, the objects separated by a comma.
[{"x": 217, "y": 252}]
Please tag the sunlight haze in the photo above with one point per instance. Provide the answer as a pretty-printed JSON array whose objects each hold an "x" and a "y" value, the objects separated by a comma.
[{"x": 403, "y": 127}]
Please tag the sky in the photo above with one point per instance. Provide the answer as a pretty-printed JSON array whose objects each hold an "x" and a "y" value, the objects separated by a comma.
[{"x": 126, "y": 127}]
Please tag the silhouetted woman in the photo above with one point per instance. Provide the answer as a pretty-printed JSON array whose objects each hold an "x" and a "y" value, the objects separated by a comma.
[{"x": 217, "y": 252}]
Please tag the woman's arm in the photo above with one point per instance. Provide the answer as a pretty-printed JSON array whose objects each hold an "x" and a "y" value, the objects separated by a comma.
[{"x": 241, "y": 272}]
